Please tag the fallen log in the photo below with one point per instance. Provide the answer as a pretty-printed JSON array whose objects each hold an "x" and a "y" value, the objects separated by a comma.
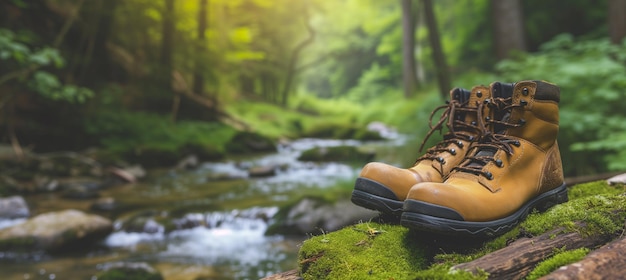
[
  {"x": 287, "y": 275},
  {"x": 607, "y": 262},
  {"x": 521, "y": 256}
]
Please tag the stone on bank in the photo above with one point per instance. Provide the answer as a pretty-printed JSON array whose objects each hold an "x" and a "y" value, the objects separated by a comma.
[{"x": 55, "y": 230}]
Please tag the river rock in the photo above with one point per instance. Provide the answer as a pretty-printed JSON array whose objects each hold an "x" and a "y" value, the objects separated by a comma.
[
  {"x": 81, "y": 190},
  {"x": 104, "y": 204},
  {"x": 339, "y": 153},
  {"x": 143, "y": 224},
  {"x": 619, "y": 179},
  {"x": 250, "y": 142},
  {"x": 13, "y": 207},
  {"x": 382, "y": 129},
  {"x": 313, "y": 215},
  {"x": 189, "y": 162},
  {"x": 55, "y": 230},
  {"x": 128, "y": 270},
  {"x": 262, "y": 171}
]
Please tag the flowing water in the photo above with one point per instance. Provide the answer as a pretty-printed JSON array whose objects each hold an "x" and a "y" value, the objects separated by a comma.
[{"x": 232, "y": 209}]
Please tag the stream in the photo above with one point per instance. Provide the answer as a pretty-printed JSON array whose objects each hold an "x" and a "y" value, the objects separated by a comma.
[{"x": 233, "y": 209}]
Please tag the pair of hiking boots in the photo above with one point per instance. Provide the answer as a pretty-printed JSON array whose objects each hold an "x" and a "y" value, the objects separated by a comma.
[{"x": 498, "y": 161}]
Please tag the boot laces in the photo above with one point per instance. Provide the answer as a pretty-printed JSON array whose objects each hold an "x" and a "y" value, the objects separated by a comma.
[
  {"x": 492, "y": 139},
  {"x": 458, "y": 129}
]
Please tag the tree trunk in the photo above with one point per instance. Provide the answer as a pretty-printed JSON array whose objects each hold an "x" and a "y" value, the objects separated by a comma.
[
  {"x": 508, "y": 27},
  {"x": 408, "y": 48},
  {"x": 443, "y": 73},
  {"x": 293, "y": 61},
  {"x": 167, "y": 42},
  {"x": 198, "y": 80},
  {"x": 617, "y": 20}
]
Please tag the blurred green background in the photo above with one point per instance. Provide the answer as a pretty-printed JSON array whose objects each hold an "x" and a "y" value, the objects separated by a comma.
[{"x": 152, "y": 79}]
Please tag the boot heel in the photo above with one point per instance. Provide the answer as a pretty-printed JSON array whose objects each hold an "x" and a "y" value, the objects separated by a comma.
[{"x": 558, "y": 196}]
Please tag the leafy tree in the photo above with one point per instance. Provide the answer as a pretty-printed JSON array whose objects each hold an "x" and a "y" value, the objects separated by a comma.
[
  {"x": 592, "y": 78},
  {"x": 24, "y": 70}
]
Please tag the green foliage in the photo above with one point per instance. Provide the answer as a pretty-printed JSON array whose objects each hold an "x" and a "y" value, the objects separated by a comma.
[
  {"x": 47, "y": 85},
  {"x": 23, "y": 60},
  {"x": 592, "y": 78},
  {"x": 154, "y": 139},
  {"x": 556, "y": 261}
]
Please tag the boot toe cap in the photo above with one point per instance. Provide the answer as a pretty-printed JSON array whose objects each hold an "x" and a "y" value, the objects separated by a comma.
[{"x": 434, "y": 199}]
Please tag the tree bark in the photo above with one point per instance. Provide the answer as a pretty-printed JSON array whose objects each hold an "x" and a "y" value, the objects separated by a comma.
[
  {"x": 508, "y": 27},
  {"x": 617, "y": 20},
  {"x": 409, "y": 77},
  {"x": 608, "y": 262},
  {"x": 293, "y": 61},
  {"x": 167, "y": 41},
  {"x": 517, "y": 259},
  {"x": 287, "y": 275},
  {"x": 441, "y": 66},
  {"x": 198, "y": 80}
]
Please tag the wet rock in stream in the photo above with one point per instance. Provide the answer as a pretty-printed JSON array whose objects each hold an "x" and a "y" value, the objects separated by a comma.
[
  {"x": 314, "y": 215},
  {"x": 339, "y": 153},
  {"x": 262, "y": 171},
  {"x": 55, "y": 230},
  {"x": 13, "y": 207}
]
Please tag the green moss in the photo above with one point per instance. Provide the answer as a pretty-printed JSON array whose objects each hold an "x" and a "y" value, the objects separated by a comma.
[
  {"x": 397, "y": 253},
  {"x": 363, "y": 251},
  {"x": 593, "y": 188},
  {"x": 601, "y": 213},
  {"x": 556, "y": 261}
]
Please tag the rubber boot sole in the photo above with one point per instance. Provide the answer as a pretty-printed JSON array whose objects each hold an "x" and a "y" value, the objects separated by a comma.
[
  {"x": 373, "y": 195},
  {"x": 413, "y": 217}
]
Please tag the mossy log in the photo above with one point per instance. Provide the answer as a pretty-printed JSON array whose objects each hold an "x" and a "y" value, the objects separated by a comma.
[
  {"x": 607, "y": 262},
  {"x": 517, "y": 259},
  {"x": 545, "y": 241}
]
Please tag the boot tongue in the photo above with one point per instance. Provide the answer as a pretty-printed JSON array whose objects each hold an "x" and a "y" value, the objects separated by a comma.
[
  {"x": 461, "y": 95},
  {"x": 504, "y": 91},
  {"x": 498, "y": 90}
]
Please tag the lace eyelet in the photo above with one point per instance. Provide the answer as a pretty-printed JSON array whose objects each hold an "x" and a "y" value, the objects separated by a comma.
[
  {"x": 525, "y": 91},
  {"x": 471, "y": 138},
  {"x": 453, "y": 152},
  {"x": 479, "y": 94},
  {"x": 498, "y": 162},
  {"x": 441, "y": 160},
  {"x": 523, "y": 102},
  {"x": 487, "y": 118},
  {"x": 516, "y": 143},
  {"x": 474, "y": 123},
  {"x": 460, "y": 144},
  {"x": 488, "y": 175},
  {"x": 522, "y": 121}
]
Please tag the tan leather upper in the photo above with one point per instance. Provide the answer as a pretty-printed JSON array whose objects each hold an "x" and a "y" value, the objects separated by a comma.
[
  {"x": 400, "y": 180},
  {"x": 534, "y": 166}
]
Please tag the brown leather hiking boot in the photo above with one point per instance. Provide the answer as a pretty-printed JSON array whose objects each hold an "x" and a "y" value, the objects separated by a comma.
[
  {"x": 514, "y": 167},
  {"x": 384, "y": 187}
]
